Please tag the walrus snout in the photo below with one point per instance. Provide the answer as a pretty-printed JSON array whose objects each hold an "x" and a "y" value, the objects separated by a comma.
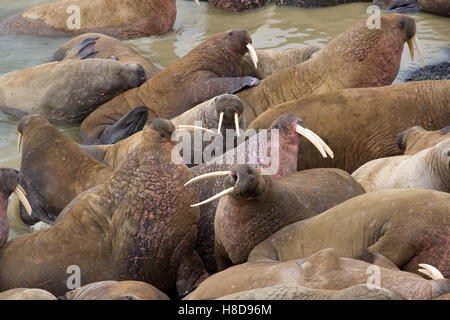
[
  {"x": 407, "y": 24},
  {"x": 245, "y": 180},
  {"x": 137, "y": 75},
  {"x": 402, "y": 137},
  {"x": 163, "y": 125}
]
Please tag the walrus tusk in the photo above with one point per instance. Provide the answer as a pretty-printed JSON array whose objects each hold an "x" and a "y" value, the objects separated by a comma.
[
  {"x": 197, "y": 2},
  {"x": 236, "y": 122},
  {"x": 209, "y": 175},
  {"x": 431, "y": 271},
  {"x": 416, "y": 41},
  {"x": 315, "y": 140},
  {"x": 19, "y": 141},
  {"x": 217, "y": 196},
  {"x": 21, "y": 194},
  {"x": 220, "y": 123},
  {"x": 187, "y": 126},
  {"x": 411, "y": 49},
  {"x": 253, "y": 55}
]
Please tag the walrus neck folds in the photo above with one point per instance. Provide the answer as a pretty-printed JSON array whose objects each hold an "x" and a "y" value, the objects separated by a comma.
[
  {"x": 4, "y": 225},
  {"x": 439, "y": 164}
]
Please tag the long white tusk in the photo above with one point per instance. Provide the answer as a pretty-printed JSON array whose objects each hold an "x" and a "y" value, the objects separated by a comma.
[
  {"x": 431, "y": 271},
  {"x": 220, "y": 123},
  {"x": 411, "y": 49},
  {"x": 236, "y": 123},
  {"x": 307, "y": 134},
  {"x": 188, "y": 126},
  {"x": 253, "y": 55},
  {"x": 416, "y": 41},
  {"x": 217, "y": 196},
  {"x": 19, "y": 141},
  {"x": 21, "y": 194},
  {"x": 322, "y": 143},
  {"x": 197, "y": 2},
  {"x": 209, "y": 175}
]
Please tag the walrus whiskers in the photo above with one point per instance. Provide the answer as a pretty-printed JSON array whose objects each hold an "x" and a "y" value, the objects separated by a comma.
[
  {"x": 431, "y": 271},
  {"x": 315, "y": 140},
  {"x": 21, "y": 194},
  {"x": 217, "y": 196},
  {"x": 253, "y": 55},
  {"x": 188, "y": 126},
  {"x": 209, "y": 175}
]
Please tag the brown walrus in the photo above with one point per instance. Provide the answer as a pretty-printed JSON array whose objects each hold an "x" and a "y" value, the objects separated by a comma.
[
  {"x": 416, "y": 139},
  {"x": 115, "y": 290},
  {"x": 439, "y": 7},
  {"x": 26, "y": 294},
  {"x": 66, "y": 91},
  {"x": 366, "y": 121},
  {"x": 408, "y": 227},
  {"x": 324, "y": 270},
  {"x": 427, "y": 169},
  {"x": 121, "y": 18},
  {"x": 255, "y": 206},
  {"x": 138, "y": 226},
  {"x": 97, "y": 45},
  {"x": 210, "y": 69}
]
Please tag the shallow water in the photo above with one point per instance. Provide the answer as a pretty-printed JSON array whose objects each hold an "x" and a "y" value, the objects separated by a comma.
[{"x": 270, "y": 27}]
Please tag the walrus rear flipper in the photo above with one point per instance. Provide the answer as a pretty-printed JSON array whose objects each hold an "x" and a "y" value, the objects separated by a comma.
[
  {"x": 404, "y": 6},
  {"x": 217, "y": 86},
  {"x": 84, "y": 49},
  {"x": 132, "y": 122}
]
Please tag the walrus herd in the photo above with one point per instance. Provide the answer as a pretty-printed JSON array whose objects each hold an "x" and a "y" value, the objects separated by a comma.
[{"x": 196, "y": 181}]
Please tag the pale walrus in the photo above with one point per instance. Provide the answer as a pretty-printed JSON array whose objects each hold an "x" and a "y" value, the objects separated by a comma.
[
  {"x": 416, "y": 139},
  {"x": 406, "y": 226},
  {"x": 210, "y": 69},
  {"x": 427, "y": 169},
  {"x": 97, "y": 45},
  {"x": 366, "y": 121},
  {"x": 138, "y": 226},
  {"x": 324, "y": 270},
  {"x": 121, "y": 18},
  {"x": 255, "y": 206},
  {"x": 26, "y": 294},
  {"x": 66, "y": 91}
]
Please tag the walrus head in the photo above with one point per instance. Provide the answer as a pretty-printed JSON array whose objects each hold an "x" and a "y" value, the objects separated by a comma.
[
  {"x": 229, "y": 109},
  {"x": 25, "y": 123}
]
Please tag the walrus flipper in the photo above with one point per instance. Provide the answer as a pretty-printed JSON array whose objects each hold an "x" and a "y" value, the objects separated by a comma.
[
  {"x": 132, "y": 122},
  {"x": 404, "y": 6},
  {"x": 85, "y": 48},
  {"x": 231, "y": 85}
]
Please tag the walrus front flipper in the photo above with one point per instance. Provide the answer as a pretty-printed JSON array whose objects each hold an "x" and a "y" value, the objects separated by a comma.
[
  {"x": 445, "y": 130},
  {"x": 404, "y": 6},
  {"x": 217, "y": 86},
  {"x": 132, "y": 122},
  {"x": 84, "y": 49}
]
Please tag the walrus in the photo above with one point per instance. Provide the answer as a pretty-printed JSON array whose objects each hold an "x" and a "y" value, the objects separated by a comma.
[
  {"x": 26, "y": 294},
  {"x": 366, "y": 121},
  {"x": 255, "y": 206},
  {"x": 210, "y": 69},
  {"x": 137, "y": 226},
  {"x": 9, "y": 184},
  {"x": 115, "y": 290},
  {"x": 406, "y": 226},
  {"x": 276, "y": 150},
  {"x": 66, "y": 91},
  {"x": 97, "y": 45},
  {"x": 296, "y": 292},
  {"x": 323, "y": 270},
  {"x": 122, "y": 19},
  {"x": 439, "y": 7},
  {"x": 427, "y": 169},
  {"x": 416, "y": 139}
]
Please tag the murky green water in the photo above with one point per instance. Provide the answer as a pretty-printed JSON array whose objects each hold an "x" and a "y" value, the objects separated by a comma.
[{"x": 270, "y": 27}]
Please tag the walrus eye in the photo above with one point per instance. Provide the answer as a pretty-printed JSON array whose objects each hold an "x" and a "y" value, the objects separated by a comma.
[{"x": 230, "y": 34}]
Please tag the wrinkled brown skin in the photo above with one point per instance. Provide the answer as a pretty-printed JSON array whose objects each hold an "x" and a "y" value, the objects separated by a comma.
[
  {"x": 206, "y": 113},
  {"x": 105, "y": 47},
  {"x": 53, "y": 169},
  {"x": 439, "y": 7},
  {"x": 361, "y": 125},
  {"x": 416, "y": 139},
  {"x": 26, "y": 294},
  {"x": 406, "y": 226},
  {"x": 272, "y": 61},
  {"x": 121, "y": 18},
  {"x": 210, "y": 69},
  {"x": 295, "y": 292},
  {"x": 261, "y": 205},
  {"x": 323, "y": 270},
  {"x": 9, "y": 180},
  {"x": 427, "y": 169},
  {"x": 287, "y": 158},
  {"x": 66, "y": 91},
  {"x": 138, "y": 226},
  {"x": 359, "y": 57},
  {"x": 114, "y": 290},
  {"x": 246, "y": 5}
]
